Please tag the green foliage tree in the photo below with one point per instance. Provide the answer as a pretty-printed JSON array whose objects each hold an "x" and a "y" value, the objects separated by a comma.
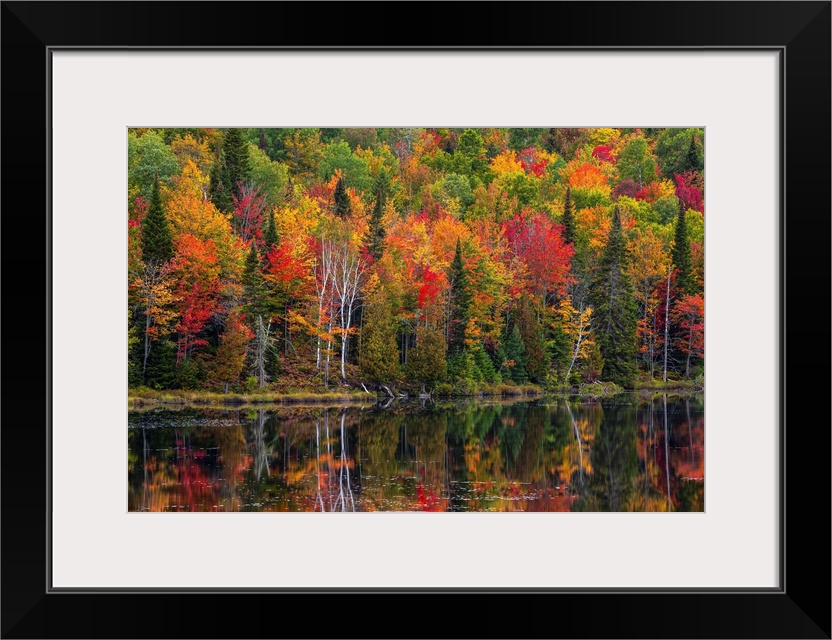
[
  {"x": 531, "y": 333},
  {"x": 515, "y": 356},
  {"x": 615, "y": 316},
  {"x": 679, "y": 150},
  {"x": 559, "y": 348},
  {"x": 519, "y": 139},
  {"x": 232, "y": 170},
  {"x": 355, "y": 170},
  {"x": 460, "y": 302},
  {"x": 470, "y": 157},
  {"x": 454, "y": 185},
  {"x": 637, "y": 163},
  {"x": 254, "y": 287},
  {"x": 376, "y": 232},
  {"x": 149, "y": 160},
  {"x": 157, "y": 246},
  {"x": 379, "y": 357},
  {"x": 160, "y": 372},
  {"x": 568, "y": 219},
  {"x": 343, "y": 208},
  {"x": 235, "y": 157},
  {"x": 426, "y": 362},
  {"x": 270, "y": 234},
  {"x": 220, "y": 195},
  {"x": 519, "y": 185},
  {"x": 272, "y": 177},
  {"x": 681, "y": 256},
  {"x": 485, "y": 366}
]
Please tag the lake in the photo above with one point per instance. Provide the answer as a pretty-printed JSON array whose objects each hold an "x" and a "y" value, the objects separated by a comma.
[{"x": 631, "y": 452}]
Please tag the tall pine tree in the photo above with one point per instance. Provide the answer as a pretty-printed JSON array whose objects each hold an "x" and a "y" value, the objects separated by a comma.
[
  {"x": 220, "y": 195},
  {"x": 157, "y": 246},
  {"x": 426, "y": 362},
  {"x": 376, "y": 233},
  {"x": 379, "y": 358},
  {"x": 615, "y": 316},
  {"x": 515, "y": 353},
  {"x": 568, "y": 219},
  {"x": 270, "y": 236},
  {"x": 236, "y": 160},
  {"x": 342, "y": 199},
  {"x": 254, "y": 287},
  {"x": 681, "y": 257},
  {"x": 694, "y": 160},
  {"x": 231, "y": 170},
  {"x": 531, "y": 333},
  {"x": 460, "y": 302}
]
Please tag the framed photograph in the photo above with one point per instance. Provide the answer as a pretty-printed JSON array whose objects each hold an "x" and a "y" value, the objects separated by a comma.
[{"x": 468, "y": 273}]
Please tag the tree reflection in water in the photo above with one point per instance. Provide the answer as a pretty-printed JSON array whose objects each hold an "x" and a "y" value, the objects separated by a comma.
[{"x": 627, "y": 453}]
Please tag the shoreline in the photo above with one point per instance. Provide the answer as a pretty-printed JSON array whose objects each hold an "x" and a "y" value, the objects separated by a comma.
[{"x": 138, "y": 399}]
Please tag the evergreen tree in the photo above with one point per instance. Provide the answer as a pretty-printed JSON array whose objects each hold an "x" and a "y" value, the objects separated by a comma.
[
  {"x": 615, "y": 313},
  {"x": 694, "y": 161},
  {"x": 460, "y": 302},
  {"x": 379, "y": 357},
  {"x": 499, "y": 358},
  {"x": 531, "y": 333},
  {"x": 270, "y": 235},
  {"x": 235, "y": 160},
  {"x": 160, "y": 372},
  {"x": 342, "y": 199},
  {"x": 681, "y": 256},
  {"x": 220, "y": 195},
  {"x": 254, "y": 287},
  {"x": 486, "y": 366},
  {"x": 231, "y": 169},
  {"x": 559, "y": 348},
  {"x": 376, "y": 233},
  {"x": 461, "y": 367},
  {"x": 157, "y": 247},
  {"x": 426, "y": 363},
  {"x": 568, "y": 219},
  {"x": 515, "y": 352}
]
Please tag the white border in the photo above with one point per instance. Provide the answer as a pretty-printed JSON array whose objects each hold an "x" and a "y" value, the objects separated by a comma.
[{"x": 98, "y": 95}]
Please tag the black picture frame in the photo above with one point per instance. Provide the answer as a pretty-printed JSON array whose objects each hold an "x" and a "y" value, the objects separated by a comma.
[{"x": 799, "y": 31}]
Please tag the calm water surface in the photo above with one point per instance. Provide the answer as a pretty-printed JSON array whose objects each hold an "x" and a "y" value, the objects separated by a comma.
[{"x": 627, "y": 453}]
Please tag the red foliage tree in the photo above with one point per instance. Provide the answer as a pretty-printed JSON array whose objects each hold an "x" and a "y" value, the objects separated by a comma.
[
  {"x": 689, "y": 191},
  {"x": 430, "y": 286},
  {"x": 689, "y": 315},
  {"x": 248, "y": 213},
  {"x": 196, "y": 270},
  {"x": 603, "y": 153},
  {"x": 536, "y": 239},
  {"x": 532, "y": 163}
]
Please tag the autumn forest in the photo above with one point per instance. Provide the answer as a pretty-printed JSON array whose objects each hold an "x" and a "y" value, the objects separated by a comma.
[{"x": 415, "y": 261}]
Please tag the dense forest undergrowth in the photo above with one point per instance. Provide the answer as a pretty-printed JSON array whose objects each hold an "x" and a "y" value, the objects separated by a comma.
[{"x": 299, "y": 263}]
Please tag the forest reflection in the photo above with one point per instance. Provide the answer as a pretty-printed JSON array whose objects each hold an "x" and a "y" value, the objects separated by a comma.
[{"x": 627, "y": 453}]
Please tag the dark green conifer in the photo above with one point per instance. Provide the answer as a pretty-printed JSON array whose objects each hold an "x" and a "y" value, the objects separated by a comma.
[
  {"x": 681, "y": 257},
  {"x": 235, "y": 160},
  {"x": 270, "y": 235},
  {"x": 157, "y": 246},
  {"x": 254, "y": 287},
  {"x": 568, "y": 219},
  {"x": 531, "y": 333},
  {"x": 614, "y": 309},
  {"x": 342, "y": 199},
  {"x": 515, "y": 352},
  {"x": 460, "y": 302},
  {"x": 376, "y": 233}
]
